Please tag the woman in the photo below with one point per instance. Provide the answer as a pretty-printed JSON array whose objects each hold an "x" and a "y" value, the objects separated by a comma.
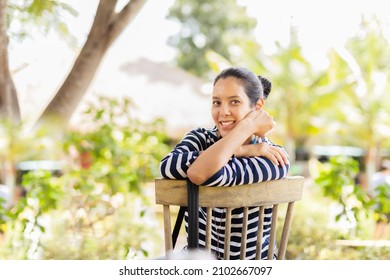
[{"x": 234, "y": 152}]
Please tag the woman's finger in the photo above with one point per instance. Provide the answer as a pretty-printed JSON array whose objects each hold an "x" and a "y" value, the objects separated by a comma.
[
  {"x": 279, "y": 158},
  {"x": 280, "y": 155},
  {"x": 284, "y": 155},
  {"x": 272, "y": 158}
]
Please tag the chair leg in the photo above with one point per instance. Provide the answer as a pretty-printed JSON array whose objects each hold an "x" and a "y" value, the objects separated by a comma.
[
  {"x": 167, "y": 228},
  {"x": 285, "y": 232},
  {"x": 259, "y": 241}
]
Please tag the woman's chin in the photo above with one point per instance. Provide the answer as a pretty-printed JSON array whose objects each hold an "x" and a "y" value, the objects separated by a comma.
[{"x": 223, "y": 131}]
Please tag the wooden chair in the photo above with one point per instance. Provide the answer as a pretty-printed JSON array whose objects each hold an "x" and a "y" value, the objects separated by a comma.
[{"x": 263, "y": 194}]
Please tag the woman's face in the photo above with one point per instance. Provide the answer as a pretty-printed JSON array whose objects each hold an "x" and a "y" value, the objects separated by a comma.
[{"x": 230, "y": 104}]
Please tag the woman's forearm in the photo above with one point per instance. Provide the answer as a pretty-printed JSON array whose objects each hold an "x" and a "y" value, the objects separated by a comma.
[{"x": 274, "y": 153}]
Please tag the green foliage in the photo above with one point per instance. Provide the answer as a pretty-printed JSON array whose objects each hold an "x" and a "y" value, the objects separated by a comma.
[
  {"x": 98, "y": 207},
  {"x": 119, "y": 148},
  {"x": 362, "y": 64},
  {"x": 124, "y": 227},
  {"x": 15, "y": 144},
  {"x": 337, "y": 181},
  {"x": 26, "y": 218},
  {"x": 381, "y": 202},
  {"x": 313, "y": 237},
  {"x": 370, "y": 46},
  {"x": 222, "y": 27},
  {"x": 3, "y": 218},
  {"x": 297, "y": 99},
  {"x": 43, "y": 15}
]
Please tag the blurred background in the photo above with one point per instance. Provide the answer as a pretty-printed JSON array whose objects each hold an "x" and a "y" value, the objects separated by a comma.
[{"x": 95, "y": 93}]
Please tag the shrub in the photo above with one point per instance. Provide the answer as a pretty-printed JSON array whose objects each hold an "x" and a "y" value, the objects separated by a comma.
[{"x": 96, "y": 208}]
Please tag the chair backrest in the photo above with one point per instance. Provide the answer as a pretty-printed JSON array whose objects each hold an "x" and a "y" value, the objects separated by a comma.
[{"x": 263, "y": 194}]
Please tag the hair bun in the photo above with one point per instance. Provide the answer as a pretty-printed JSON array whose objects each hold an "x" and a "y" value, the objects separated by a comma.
[{"x": 267, "y": 86}]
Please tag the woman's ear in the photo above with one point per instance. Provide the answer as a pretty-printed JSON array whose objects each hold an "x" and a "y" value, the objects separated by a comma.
[{"x": 259, "y": 103}]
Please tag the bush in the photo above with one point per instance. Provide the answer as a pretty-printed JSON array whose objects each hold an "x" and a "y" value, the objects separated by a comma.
[
  {"x": 97, "y": 207},
  {"x": 337, "y": 182},
  {"x": 314, "y": 235}
]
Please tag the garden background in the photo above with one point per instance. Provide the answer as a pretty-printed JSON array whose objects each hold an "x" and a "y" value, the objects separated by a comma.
[{"x": 94, "y": 94}]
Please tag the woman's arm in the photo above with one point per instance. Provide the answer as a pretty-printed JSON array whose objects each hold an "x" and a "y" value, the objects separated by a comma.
[
  {"x": 176, "y": 163},
  {"x": 254, "y": 165},
  {"x": 240, "y": 171}
]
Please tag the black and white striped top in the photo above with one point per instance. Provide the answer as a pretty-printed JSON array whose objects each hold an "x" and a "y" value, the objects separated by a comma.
[{"x": 237, "y": 171}]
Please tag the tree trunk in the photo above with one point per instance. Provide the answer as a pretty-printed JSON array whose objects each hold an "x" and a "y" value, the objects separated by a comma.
[
  {"x": 9, "y": 106},
  {"x": 107, "y": 26}
]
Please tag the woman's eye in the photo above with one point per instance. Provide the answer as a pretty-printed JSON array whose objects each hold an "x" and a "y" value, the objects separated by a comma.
[
  {"x": 235, "y": 102},
  {"x": 216, "y": 103}
]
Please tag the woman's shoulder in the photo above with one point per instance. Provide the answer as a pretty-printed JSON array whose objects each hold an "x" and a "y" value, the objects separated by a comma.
[
  {"x": 204, "y": 130},
  {"x": 210, "y": 134}
]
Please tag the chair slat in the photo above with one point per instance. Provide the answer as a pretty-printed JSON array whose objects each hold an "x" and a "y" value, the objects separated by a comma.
[
  {"x": 272, "y": 237},
  {"x": 244, "y": 233},
  {"x": 208, "y": 228},
  {"x": 286, "y": 229},
  {"x": 259, "y": 240},
  {"x": 228, "y": 225}
]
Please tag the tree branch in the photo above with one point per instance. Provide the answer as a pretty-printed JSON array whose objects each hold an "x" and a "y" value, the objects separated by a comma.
[
  {"x": 107, "y": 26},
  {"x": 104, "y": 12},
  {"x": 121, "y": 20}
]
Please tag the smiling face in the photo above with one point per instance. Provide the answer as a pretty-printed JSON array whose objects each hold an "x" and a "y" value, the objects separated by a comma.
[{"x": 230, "y": 104}]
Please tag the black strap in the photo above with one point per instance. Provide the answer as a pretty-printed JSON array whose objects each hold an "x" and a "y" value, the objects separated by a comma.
[{"x": 193, "y": 215}]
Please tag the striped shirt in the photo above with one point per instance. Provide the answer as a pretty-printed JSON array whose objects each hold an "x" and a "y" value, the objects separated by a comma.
[{"x": 238, "y": 171}]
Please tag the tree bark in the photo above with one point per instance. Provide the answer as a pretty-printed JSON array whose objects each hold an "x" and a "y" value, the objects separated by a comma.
[
  {"x": 9, "y": 106},
  {"x": 107, "y": 26}
]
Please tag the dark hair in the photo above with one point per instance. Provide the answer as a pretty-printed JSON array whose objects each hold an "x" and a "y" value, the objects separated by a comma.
[{"x": 255, "y": 86}]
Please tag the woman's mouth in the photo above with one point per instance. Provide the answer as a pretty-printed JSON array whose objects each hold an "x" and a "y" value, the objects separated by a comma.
[{"x": 226, "y": 124}]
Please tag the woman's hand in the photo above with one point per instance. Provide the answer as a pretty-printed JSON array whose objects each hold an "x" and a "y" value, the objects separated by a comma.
[
  {"x": 262, "y": 122},
  {"x": 275, "y": 154}
]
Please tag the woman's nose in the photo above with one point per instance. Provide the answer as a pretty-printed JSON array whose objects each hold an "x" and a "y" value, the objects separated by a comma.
[{"x": 224, "y": 110}]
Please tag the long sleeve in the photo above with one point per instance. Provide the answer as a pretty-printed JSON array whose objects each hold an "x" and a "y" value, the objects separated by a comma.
[
  {"x": 248, "y": 170},
  {"x": 177, "y": 162},
  {"x": 240, "y": 171}
]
